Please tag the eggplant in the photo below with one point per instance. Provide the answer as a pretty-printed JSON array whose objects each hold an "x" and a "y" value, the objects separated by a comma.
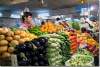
[
  {"x": 41, "y": 63},
  {"x": 36, "y": 64},
  {"x": 29, "y": 47},
  {"x": 40, "y": 49},
  {"x": 43, "y": 40},
  {"x": 46, "y": 59},
  {"x": 41, "y": 56},
  {"x": 28, "y": 55},
  {"x": 37, "y": 43},
  {"x": 23, "y": 63},
  {"x": 21, "y": 48},
  {"x": 44, "y": 52},
  {"x": 35, "y": 58}
]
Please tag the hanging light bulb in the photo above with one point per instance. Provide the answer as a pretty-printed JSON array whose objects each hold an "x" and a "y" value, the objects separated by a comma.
[{"x": 82, "y": 1}]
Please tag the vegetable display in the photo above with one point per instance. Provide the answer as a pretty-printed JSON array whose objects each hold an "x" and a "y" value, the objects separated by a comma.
[
  {"x": 32, "y": 53},
  {"x": 36, "y": 30},
  {"x": 49, "y": 45},
  {"x": 80, "y": 60},
  {"x": 9, "y": 39},
  {"x": 58, "y": 50},
  {"x": 83, "y": 58}
]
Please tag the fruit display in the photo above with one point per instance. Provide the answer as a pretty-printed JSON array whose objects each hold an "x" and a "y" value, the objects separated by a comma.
[
  {"x": 51, "y": 27},
  {"x": 9, "y": 39}
]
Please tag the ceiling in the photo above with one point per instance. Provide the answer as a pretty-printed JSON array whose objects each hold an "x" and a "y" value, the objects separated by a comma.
[{"x": 11, "y": 6}]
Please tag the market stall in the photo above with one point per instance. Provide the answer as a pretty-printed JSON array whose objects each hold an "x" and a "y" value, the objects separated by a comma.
[
  {"x": 49, "y": 45},
  {"x": 66, "y": 37}
]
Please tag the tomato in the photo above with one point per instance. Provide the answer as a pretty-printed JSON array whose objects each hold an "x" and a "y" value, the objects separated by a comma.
[
  {"x": 73, "y": 37},
  {"x": 73, "y": 51},
  {"x": 74, "y": 41},
  {"x": 73, "y": 47}
]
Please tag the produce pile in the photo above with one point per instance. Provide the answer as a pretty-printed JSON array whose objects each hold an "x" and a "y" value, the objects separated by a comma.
[
  {"x": 49, "y": 45},
  {"x": 50, "y": 27},
  {"x": 82, "y": 40},
  {"x": 74, "y": 43},
  {"x": 58, "y": 50},
  {"x": 32, "y": 53},
  {"x": 36, "y": 30},
  {"x": 82, "y": 58},
  {"x": 9, "y": 39}
]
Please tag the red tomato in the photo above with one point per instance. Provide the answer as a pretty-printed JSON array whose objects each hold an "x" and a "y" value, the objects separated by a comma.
[
  {"x": 74, "y": 40},
  {"x": 73, "y": 47}
]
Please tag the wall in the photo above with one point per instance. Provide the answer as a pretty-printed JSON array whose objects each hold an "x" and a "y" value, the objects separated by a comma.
[{"x": 8, "y": 22}]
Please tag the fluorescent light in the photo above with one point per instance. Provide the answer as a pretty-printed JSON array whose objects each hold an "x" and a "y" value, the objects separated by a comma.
[
  {"x": 42, "y": 11},
  {"x": 85, "y": 12},
  {"x": 92, "y": 8},
  {"x": 44, "y": 14},
  {"x": 1, "y": 14},
  {"x": 77, "y": 20},
  {"x": 15, "y": 16},
  {"x": 67, "y": 18}
]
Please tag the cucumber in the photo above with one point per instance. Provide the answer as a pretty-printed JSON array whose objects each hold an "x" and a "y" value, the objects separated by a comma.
[{"x": 54, "y": 45}]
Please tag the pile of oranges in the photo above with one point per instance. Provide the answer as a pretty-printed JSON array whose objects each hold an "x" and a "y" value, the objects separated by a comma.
[{"x": 50, "y": 27}]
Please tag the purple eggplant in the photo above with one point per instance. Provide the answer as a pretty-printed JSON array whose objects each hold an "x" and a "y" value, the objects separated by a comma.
[{"x": 43, "y": 40}]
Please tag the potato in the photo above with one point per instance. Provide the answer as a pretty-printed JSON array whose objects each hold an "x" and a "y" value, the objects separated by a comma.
[
  {"x": 2, "y": 37},
  {"x": 10, "y": 33},
  {"x": 16, "y": 37},
  {"x": 13, "y": 43},
  {"x": 17, "y": 32},
  {"x": 3, "y": 49},
  {"x": 3, "y": 43},
  {"x": 6, "y": 55},
  {"x": 4, "y": 30},
  {"x": 21, "y": 41},
  {"x": 11, "y": 49},
  {"x": 22, "y": 35},
  {"x": 9, "y": 38}
]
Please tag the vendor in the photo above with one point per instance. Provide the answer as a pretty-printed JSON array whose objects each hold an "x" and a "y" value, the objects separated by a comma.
[
  {"x": 27, "y": 22},
  {"x": 86, "y": 25}
]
